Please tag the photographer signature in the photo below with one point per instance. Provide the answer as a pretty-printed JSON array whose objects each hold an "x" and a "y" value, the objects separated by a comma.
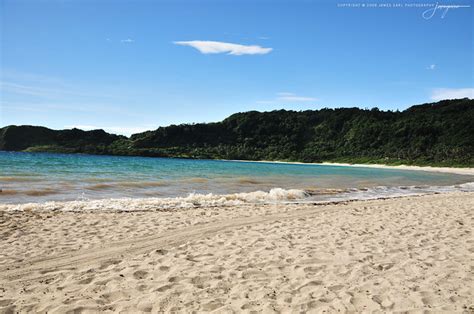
[{"x": 443, "y": 9}]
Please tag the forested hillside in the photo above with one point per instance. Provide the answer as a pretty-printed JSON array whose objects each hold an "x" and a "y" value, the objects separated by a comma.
[{"x": 437, "y": 133}]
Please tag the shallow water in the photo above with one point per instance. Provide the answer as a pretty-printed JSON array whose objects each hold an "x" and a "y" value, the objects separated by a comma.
[{"x": 40, "y": 177}]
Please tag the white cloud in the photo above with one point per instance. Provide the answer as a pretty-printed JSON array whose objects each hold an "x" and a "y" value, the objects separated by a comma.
[
  {"x": 287, "y": 97},
  {"x": 127, "y": 41},
  {"x": 452, "y": 93},
  {"x": 431, "y": 67},
  {"x": 123, "y": 130},
  {"x": 208, "y": 47}
]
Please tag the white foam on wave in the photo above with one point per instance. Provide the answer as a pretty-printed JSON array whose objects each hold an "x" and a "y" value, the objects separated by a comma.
[
  {"x": 398, "y": 191},
  {"x": 274, "y": 196}
]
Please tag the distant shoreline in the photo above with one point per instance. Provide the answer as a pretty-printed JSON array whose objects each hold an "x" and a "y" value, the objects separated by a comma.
[
  {"x": 453, "y": 170},
  {"x": 462, "y": 171}
]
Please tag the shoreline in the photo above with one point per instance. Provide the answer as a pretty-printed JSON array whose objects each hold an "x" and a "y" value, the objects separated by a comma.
[
  {"x": 224, "y": 201},
  {"x": 461, "y": 171}
]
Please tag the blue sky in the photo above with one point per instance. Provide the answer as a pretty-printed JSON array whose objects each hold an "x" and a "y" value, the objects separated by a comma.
[{"x": 128, "y": 66}]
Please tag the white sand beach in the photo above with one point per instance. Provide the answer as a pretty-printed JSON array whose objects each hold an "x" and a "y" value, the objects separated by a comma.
[
  {"x": 404, "y": 254},
  {"x": 455, "y": 170},
  {"x": 464, "y": 171}
]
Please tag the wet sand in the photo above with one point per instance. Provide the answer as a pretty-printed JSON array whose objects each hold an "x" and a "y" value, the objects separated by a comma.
[{"x": 404, "y": 254}]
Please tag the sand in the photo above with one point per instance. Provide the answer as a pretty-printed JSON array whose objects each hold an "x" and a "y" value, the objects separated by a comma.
[
  {"x": 405, "y": 254},
  {"x": 464, "y": 171},
  {"x": 455, "y": 170}
]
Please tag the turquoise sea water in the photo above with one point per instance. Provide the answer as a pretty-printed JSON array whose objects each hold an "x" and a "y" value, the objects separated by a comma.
[{"x": 40, "y": 177}]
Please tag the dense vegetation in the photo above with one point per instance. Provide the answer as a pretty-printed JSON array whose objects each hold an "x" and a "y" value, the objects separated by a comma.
[{"x": 438, "y": 133}]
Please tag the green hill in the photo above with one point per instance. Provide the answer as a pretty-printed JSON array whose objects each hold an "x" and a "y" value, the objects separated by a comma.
[
  {"x": 37, "y": 138},
  {"x": 439, "y": 133}
]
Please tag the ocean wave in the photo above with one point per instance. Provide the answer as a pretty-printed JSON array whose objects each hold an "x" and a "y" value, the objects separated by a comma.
[
  {"x": 125, "y": 184},
  {"x": 30, "y": 192},
  {"x": 274, "y": 196},
  {"x": 245, "y": 180},
  {"x": 195, "y": 180},
  {"x": 397, "y": 191},
  {"x": 17, "y": 179},
  {"x": 193, "y": 200}
]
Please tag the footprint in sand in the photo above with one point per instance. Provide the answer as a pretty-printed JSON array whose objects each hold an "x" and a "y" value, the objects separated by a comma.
[
  {"x": 140, "y": 274},
  {"x": 164, "y": 288},
  {"x": 142, "y": 288},
  {"x": 175, "y": 278},
  {"x": 8, "y": 309},
  {"x": 6, "y": 302},
  {"x": 309, "y": 286},
  {"x": 85, "y": 281},
  {"x": 199, "y": 282},
  {"x": 312, "y": 269},
  {"x": 211, "y": 306},
  {"x": 109, "y": 263},
  {"x": 114, "y": 296},
  {"x": 336, "y": 287},
  {"x": 254, "y": 274}
]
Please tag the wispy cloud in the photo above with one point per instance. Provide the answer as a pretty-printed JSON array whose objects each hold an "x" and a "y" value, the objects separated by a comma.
[
  {"x": 48, "y": 90},
  {"x": 127, "y": 41},
  {"x": 70, "y": 108},
  {"x": 123, "y": 130},
  {"x": 21, "y": 89},
  {"x": 48, "y": 107},
  {"x": 452, "y": 93},
  {"x": 31, "y": 84},
  {"x": 431, "y": 67},
  {"x": 213, "y": 47},
  {"x": 47, "y": 87},
  {"x": 288, "y": 97},
  {"x": 293, "y": 97},
  {"x": 28, "y": 92}
]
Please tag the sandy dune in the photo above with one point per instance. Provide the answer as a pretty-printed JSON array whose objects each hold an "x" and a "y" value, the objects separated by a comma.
[{"x": 414, "y": 253}]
